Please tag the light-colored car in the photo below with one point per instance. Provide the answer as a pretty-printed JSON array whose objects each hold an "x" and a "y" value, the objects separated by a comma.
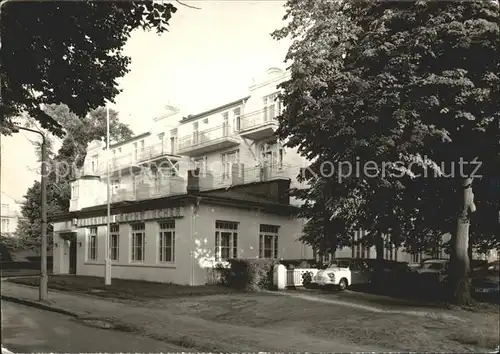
[
  {"x": 333, "y": 275},
  {"x": 344, "y": 272},
  {"x": 433, "y": 266}
]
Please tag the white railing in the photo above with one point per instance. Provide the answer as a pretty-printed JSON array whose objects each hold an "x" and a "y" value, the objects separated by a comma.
[
  {"x": 295, "y": 277},
  {"x": 205, "y": 137},
  {"x": 257, "y": 118}
]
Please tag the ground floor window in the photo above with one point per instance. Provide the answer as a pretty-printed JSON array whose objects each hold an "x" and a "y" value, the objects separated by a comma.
[
  {"x": 114, "y": 241},
  {"x": 138, "y": 242},
  {"x": 167, "y": 241},
  {"x": 268, "y": 241},
  {"x": 226, "y": 240},
  {"x": 92, "y": 244}
]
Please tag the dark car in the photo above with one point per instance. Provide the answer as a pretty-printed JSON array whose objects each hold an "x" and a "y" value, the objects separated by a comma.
[{"x": 485, "y": 282}]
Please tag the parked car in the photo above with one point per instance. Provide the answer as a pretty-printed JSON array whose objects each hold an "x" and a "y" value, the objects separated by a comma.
[
  {"x": 342, "y": 273},
  {"x": 485, "y": 282},
  {"x": 434, "y": 266}
]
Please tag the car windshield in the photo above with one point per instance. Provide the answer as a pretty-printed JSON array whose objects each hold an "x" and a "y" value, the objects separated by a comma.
[
  {"x": 433, "y": 265},
  {"x": 339, "y": 264}
]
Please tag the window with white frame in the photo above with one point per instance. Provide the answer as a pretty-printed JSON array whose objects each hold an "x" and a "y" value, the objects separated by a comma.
[
  {"x": 173, "y": 141},
  {"x": 225, "y": 124},
  {"x": 135, "y": 151},
  {"x": 268, "y": 241},
  {"x": 167, "y": 241},
  {"x": 226, "y": 240},
  {"x": 237, "y": 119},
  {"x": 95, "y": 163},
  {"x": 201, "y": 163},
  {"x": 161, "y": 140},
  {"x": 92, "y": 244},
  {"x": 142, "y": 145},
  {"x": 5, "y": 225},
  {"x": 196, "y": 133},
  {"x": 272, "y": 107},
  {"x": 272, "y": 154},
  {"x": 74, "y": 190},
  {"x": 114, "y": 241},
  {"x": 138, "y": 242},
  {"x": 115, "y": 185},
  {"x": 228, "y": 159}
]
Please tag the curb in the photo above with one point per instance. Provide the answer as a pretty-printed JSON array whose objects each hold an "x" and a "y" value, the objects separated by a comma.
[{"x": 38, "y": 305}]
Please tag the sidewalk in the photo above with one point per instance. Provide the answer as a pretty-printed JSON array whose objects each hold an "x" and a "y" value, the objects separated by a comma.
[{"x": 171, "y": 326}]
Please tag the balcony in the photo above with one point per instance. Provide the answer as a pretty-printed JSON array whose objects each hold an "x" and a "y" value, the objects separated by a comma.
[
  {"x": 156, "y": 152},
  {"x": 258, "y": 125},
  {"x": 240, "y": 175},
  {"x": 203, "y": 142},
  {"x": 165, "y": 188}
]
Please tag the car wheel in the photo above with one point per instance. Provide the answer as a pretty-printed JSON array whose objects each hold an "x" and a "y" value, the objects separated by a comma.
[{"x": 343, "y": 284}]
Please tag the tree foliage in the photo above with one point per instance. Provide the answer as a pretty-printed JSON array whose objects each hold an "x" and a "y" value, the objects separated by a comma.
[
  {"x": 71, "y": 154},
  {"x": 409, "y": 88},
  {"x": 68, "y": 52}
]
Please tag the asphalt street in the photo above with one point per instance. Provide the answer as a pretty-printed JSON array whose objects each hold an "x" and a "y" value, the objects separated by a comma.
[{"x": 29, "y": 330}]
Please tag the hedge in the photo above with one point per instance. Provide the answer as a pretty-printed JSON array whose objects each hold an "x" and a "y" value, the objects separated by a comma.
[{"x": 248, "y": 274}]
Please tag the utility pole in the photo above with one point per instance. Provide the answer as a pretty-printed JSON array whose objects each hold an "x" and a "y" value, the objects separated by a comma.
[
  {"x": 107, "y": 260},
  {"x": 43, "y": 289}
]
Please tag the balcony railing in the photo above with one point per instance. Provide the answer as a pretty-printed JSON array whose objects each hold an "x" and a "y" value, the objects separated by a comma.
[
  {"x": 172, "y": 186},
  {"x": 258, "y": 125},
  {"x": 155, "y": 151},
  {"x": 201, "y": 141},
  {"x": 255, "y": 119},
  {"x": 238, "y": 175}
]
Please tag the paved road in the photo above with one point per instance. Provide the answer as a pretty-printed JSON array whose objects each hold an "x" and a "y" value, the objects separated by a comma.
[{"x": 29, "y": 330}]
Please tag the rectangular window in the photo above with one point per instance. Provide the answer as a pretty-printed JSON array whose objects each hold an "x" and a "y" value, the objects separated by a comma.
[
  {"x": 225, "y": 124},
  {"x": 92, "y": 244},
  {"x": 228, "y": 159},
  {"x": 95, "y": 163},
  {"x": 114, "y": 241},
  {"x": 272, "y": 154},
  {"x": 226, "y": 240},
  {"x": 115, "y": 185},
  {"x": 142, "y": 145},
  {"x": 135, "y": 151},
  {"x": 268, "y": 241},
  {"x": 138, "y": 242},
  {"x": 167, "y": 241},
  {"x": 201, "y": 163},
  {"x": 237, "y": 119},
  {"x": 173, "y": 141}
]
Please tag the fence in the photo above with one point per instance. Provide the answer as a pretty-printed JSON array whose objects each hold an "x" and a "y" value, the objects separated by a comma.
[{"x": 295, "y": 277}]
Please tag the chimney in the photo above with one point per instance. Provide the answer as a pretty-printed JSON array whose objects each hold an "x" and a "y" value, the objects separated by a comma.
[{"x": 193, "y": 181}]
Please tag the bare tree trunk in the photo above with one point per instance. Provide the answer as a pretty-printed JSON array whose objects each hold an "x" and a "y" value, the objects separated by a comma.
[{"x": 459, "y": 267}]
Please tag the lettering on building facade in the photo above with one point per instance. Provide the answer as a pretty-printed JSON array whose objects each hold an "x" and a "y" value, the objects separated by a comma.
[{"x": 139, "y": 216}]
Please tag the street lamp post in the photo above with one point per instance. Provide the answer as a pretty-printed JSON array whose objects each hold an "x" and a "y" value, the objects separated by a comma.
[
  {"x": 107, "y": 260},
  {"x": 43, "y": 289}
]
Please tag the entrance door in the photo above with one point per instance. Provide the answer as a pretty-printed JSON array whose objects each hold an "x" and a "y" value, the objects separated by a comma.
[{"x": 72, "y": 254}]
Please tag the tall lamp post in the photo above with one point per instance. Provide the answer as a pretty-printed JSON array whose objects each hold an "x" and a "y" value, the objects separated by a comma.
[
  {"x": 43, "y": 292},
  {"x": 107, "y": 260}
]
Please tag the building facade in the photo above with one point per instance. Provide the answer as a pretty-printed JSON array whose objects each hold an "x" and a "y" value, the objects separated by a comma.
[
  {"x": 193, "y": 191},
  {"x": 10, "y": 214}
]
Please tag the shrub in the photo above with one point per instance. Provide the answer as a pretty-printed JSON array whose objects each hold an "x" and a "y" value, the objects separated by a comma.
[{"x": 248, "y": 274}]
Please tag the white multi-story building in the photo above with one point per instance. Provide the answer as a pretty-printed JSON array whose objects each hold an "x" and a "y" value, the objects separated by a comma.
[{"x": 194, "y": 190}]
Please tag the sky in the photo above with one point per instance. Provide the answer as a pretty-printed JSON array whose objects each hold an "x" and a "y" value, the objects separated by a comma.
[{"x": 208, "y": 57}]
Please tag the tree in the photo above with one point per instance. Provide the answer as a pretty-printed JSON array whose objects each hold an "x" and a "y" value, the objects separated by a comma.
[
  {"x": 72, "y": 153},
  {"x": 406, "y": 85},
  {"x": 68, "y": 52}
]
